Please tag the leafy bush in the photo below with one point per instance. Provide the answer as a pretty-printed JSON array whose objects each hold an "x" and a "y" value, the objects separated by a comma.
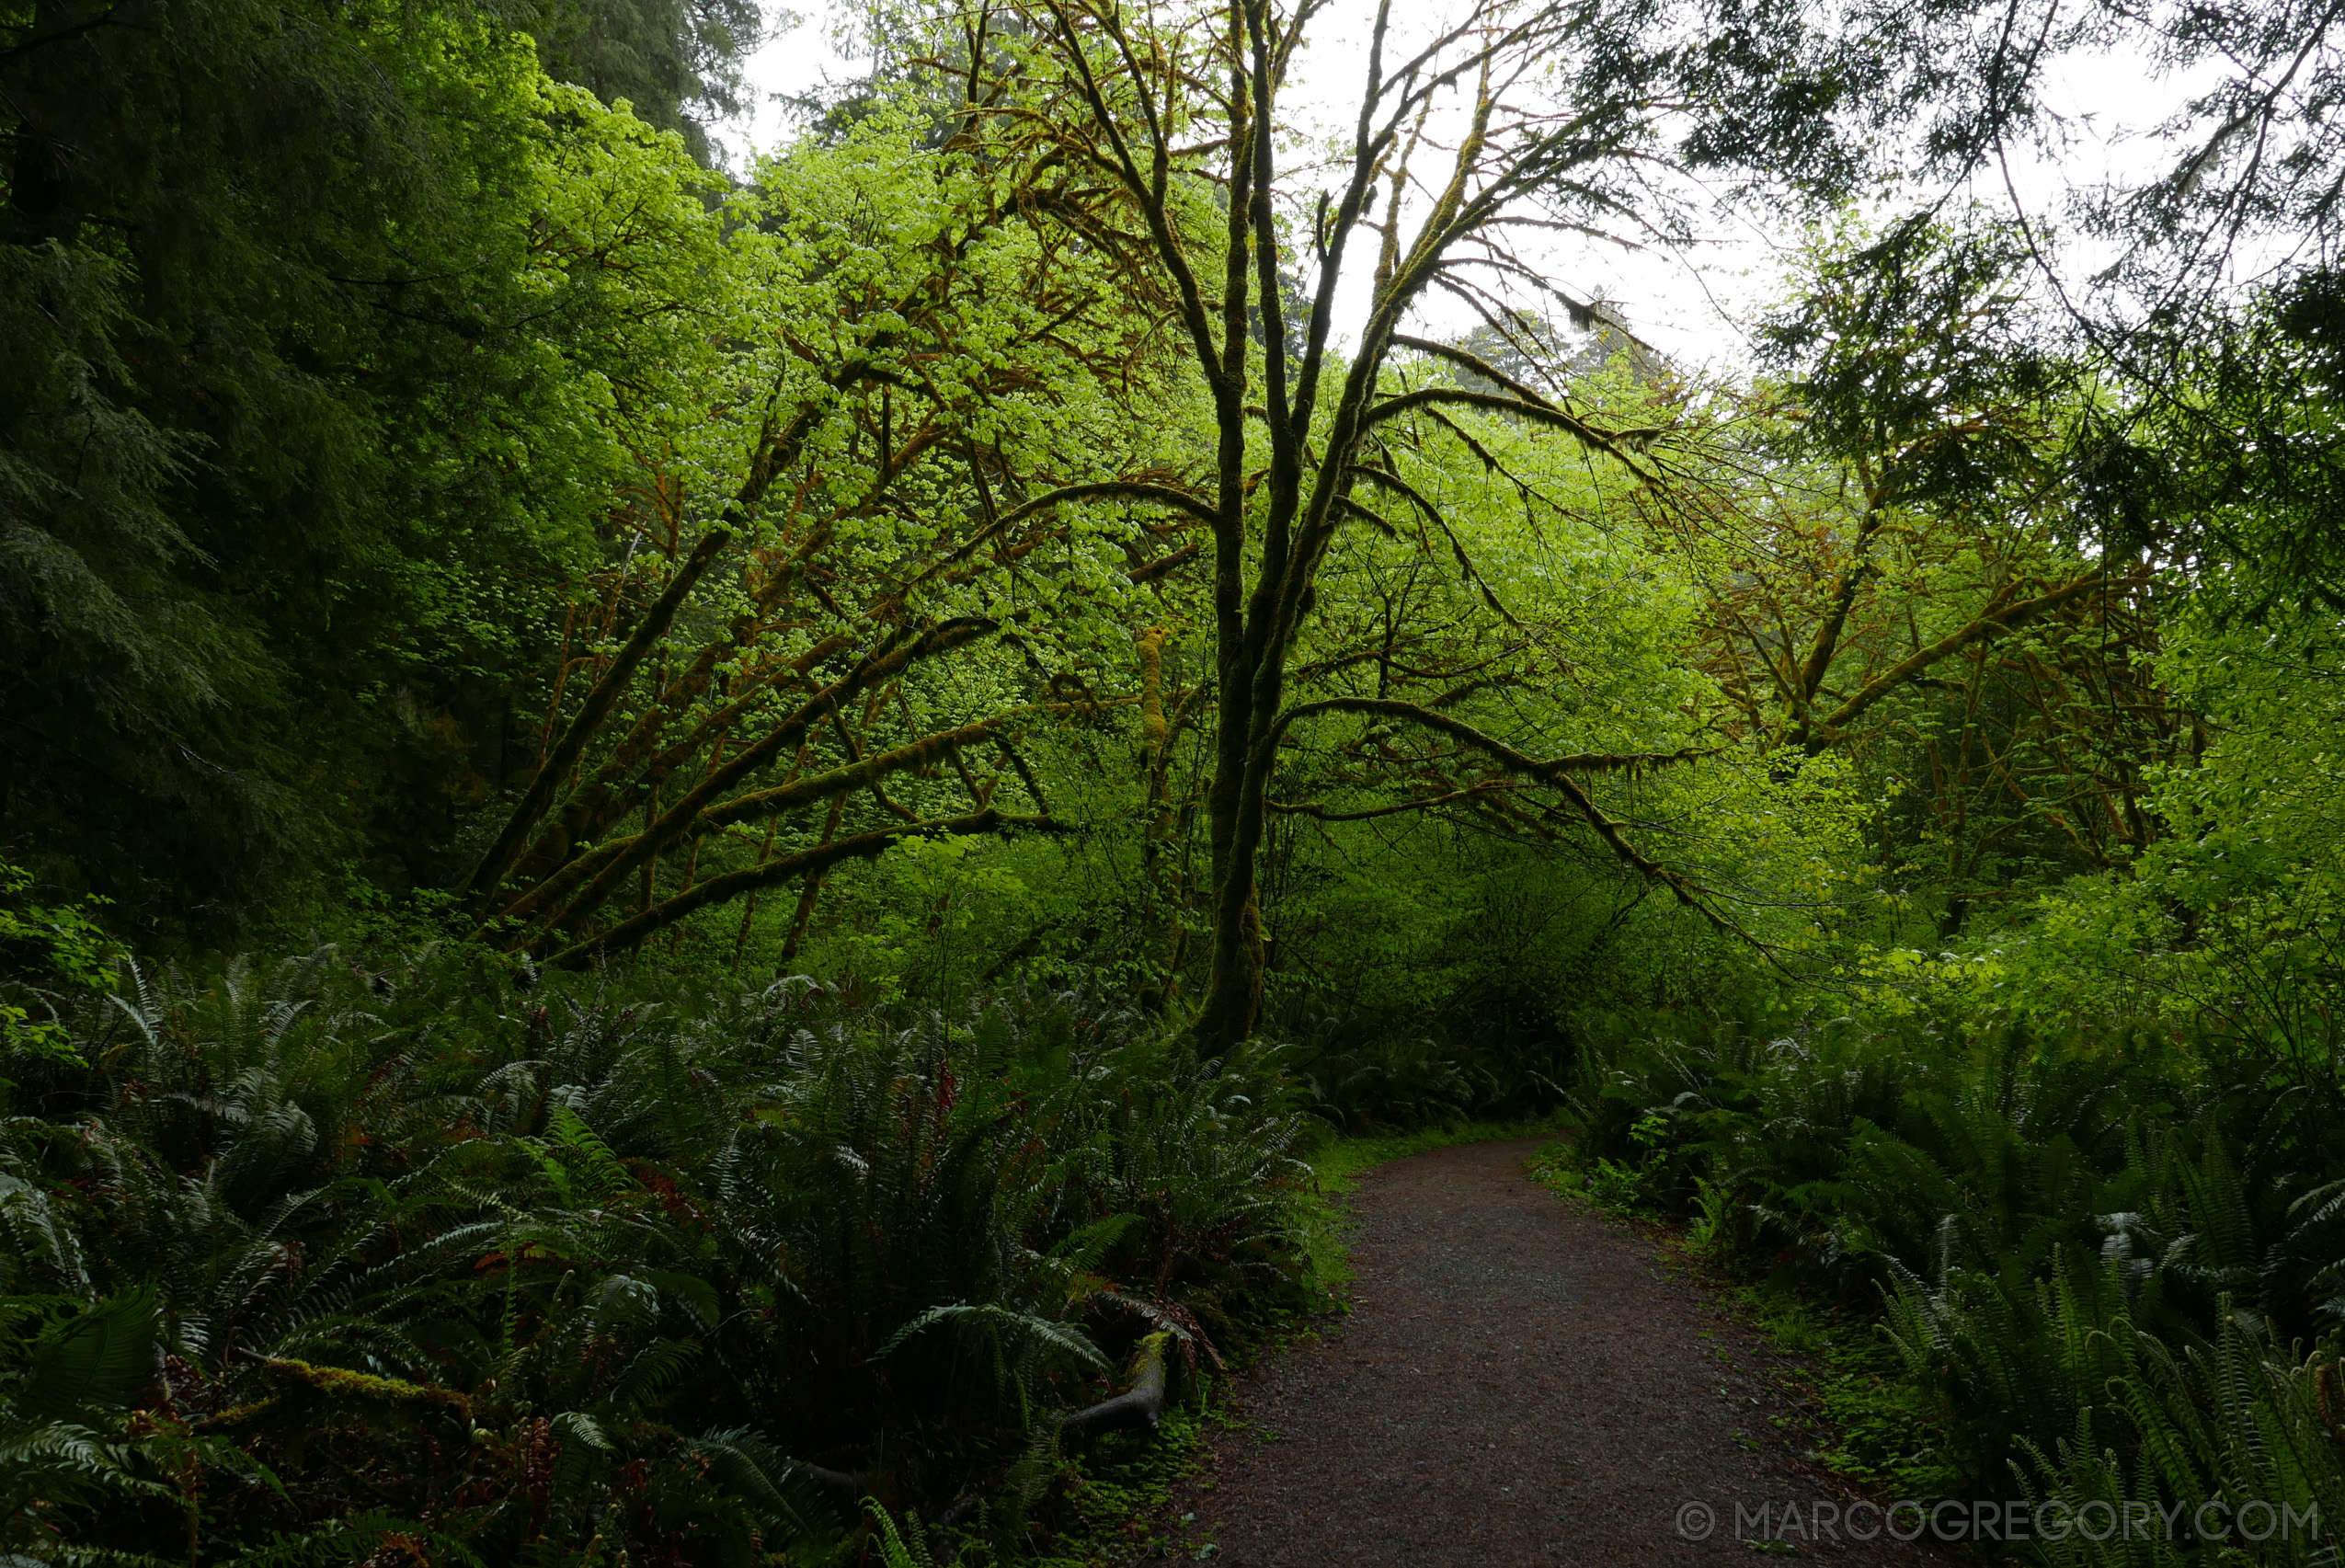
[{"x": 42, "y": 950}]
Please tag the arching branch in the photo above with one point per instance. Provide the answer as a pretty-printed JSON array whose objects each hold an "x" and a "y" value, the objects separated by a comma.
[
  {"x": 1068, "y": 494},
  {"x": 1394, "y": 482},
  {"x": 1994, "y": 623},
  {"x": 565, "y": 752},
  {"x": 1557, "y": 775},
  {"x": 631, "y": 933},
  {"x": 679, "y": 819},
  {"x": 1492, "y": 747},
  {"x": 1315, "y": 810},
  {"x": 1612, "y": 443},
  {"x": 805, "y": 791},
  {"x": 775, "y": 449}
]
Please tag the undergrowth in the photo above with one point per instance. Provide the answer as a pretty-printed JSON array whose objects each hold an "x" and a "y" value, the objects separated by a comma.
[
  {"x": 2079, "y": 1269},
  {"x": 1876, "y": 1430},
  {"x": 303, "y": 1259}
]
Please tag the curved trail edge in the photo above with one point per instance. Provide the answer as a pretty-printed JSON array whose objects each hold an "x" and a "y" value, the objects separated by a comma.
[{"x": 1519, "y": 1381}]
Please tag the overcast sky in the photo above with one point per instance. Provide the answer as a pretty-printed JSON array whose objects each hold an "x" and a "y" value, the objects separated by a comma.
[{"x": 1693, "y": 306}]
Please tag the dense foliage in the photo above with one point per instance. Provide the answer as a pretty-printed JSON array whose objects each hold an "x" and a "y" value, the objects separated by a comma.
[
  {"x": 850, "y": 750},
  {"x": 542, "y": 1272}
]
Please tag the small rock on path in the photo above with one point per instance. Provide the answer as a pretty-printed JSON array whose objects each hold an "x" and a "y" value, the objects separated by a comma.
[{"x": 1519, "y": 1381}]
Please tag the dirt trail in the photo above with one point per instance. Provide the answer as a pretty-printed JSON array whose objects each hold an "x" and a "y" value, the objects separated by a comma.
[{"x": 1519, "y": 1382}]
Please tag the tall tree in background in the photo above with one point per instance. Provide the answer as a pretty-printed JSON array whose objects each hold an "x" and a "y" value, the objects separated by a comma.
[
  {"x": 1504, "y": 115},
  {"x": 2225, "y": 295},
  {"x": 1904, "y": 569},
  {"x": 677, "y": 62}
]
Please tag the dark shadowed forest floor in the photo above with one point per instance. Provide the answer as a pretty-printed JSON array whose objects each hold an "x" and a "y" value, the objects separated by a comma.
[{"x": 1520, "y": 1382}]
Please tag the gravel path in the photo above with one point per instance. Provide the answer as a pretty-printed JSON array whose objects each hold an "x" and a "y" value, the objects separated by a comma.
[{"x": 1519, "y": 1382}]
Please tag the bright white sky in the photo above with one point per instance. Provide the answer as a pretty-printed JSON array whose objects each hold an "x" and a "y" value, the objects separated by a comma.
[{"x": 1694, "y": 306}]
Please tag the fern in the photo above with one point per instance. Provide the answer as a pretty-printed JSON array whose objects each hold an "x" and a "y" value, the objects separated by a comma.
[
  {"x": 790, "y": 1514},
  {"x": 899, "y": 1548},
  {"x": 93, "y": 1362},
  {"x": 2230, "y": 1422},
  {"x": 636, "y": 1222},
  {"x": 358, "y": 1538}
]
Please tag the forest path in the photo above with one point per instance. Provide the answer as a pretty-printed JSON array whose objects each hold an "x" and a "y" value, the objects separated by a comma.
[{"x": 1519, "y": 1381}]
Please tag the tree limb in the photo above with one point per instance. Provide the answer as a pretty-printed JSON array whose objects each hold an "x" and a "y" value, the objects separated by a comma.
[
  {"x": 2011, "y": 616},
  {"x": 632, "y": 932}
]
